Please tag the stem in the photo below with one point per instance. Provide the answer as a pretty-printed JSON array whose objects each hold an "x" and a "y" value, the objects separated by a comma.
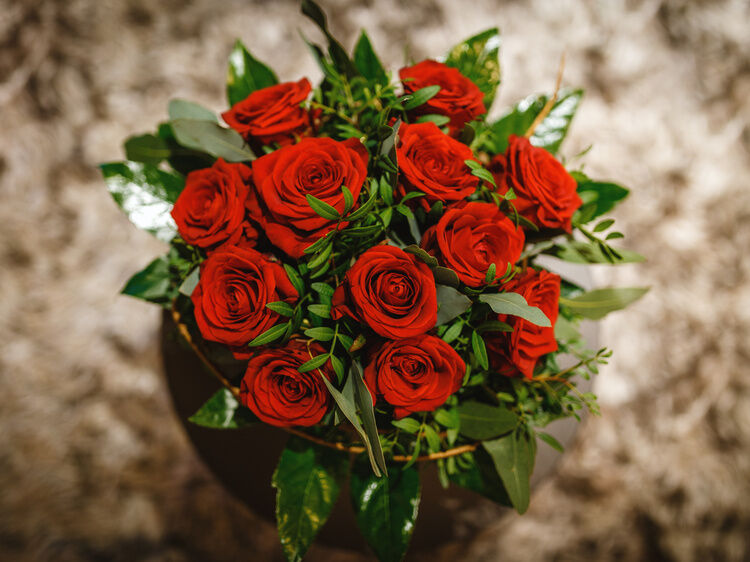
[{"x": 550, "y": 102}]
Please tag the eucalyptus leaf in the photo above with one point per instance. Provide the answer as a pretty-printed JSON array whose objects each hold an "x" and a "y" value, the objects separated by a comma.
[
  {"x": 183, "y": 109},
  {"x": 598, "y": 303},
  {"x": 212, "y": 138},
  {"x": 451, "y": 303},
  {"x": 515, "y": 305}
]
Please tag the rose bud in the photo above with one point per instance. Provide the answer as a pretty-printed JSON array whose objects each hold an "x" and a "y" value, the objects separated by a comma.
[
  {"x": 314, "y": 166},
  {"x": 272, "y": 114},
  {"x": 275, "y": 391},
  {"x": 416, "y": 374},
  {"x": 471, "y": 236},
  {"x": 234, "y": 288},
  {"x": 211, "y": 208},
  {"x": 433, "y": 163},
  {"x": 390, "y": 291},
  {"x": 458, "y": 99},
  {"x": 520, "y": 350},
  {"x": 545, "y": 191}
]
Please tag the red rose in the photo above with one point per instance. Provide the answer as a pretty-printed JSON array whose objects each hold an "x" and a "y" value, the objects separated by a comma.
[
  {"x": 272, "y": 114},
  {"x": 545, "y": 191},
  {"x": 434, "y": 163},
  {"x": 417, "y": 374},
  {"x": 459, "y": 98},
  {"x": 315, "y": 166},
  {"x": 278, "y": 393},
  {"x": 211, "y": 208},
  {"x": 469, "y": 237},
  {"x": 231, "y": 296},
  {"x": 390, "y": 291},
  {"x": 523, "y": 347}
]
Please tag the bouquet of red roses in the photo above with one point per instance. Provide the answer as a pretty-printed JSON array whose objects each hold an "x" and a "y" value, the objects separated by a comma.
[{"x": 370, "y": 251}]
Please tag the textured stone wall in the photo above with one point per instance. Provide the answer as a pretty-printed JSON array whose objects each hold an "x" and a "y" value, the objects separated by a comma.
[{"x": 94, "y": 464}]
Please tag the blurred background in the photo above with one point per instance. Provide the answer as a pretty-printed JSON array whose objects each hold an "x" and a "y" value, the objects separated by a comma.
[{"x": 94, "y": 465}]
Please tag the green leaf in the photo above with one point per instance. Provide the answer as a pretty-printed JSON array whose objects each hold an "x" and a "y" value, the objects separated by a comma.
[
  {"x": 365, "y": 207},
  {"x": 148, "y": 149},
  {"x": 483, "y": 421},
  {"x": 577, "y": 251},
  {"x": 246, "y": 74},
  {"x": 551, "y": 441},
  {"x": 386, "y": 509},
  {"x": 363, "y": 400},
  {"x": 314, "y": 363},
  {"x": 323, "y": 289},
  {"x": 445, "y": 276},
  {"x": 604, "y": 225},
  {"x": 433, "y": 439},
  {"x": 322, "y": 310},
  {"x": 272, "y": 334},
  {"x": 439, "y": 120},
  {"x": 222, "y": 411},
  {"x": 183, "y": 109},
  {"x": 421, "y": 254},
  {"x": 322, "y": 333},
  {"x": 549, "y": 133},
  {"x": 491, "y": 273},
  {"x": 190, "y": 282},
  {"x": 453, "y": 332},
  {"x": 338, "y": 55},
  {"x": 479, "y": 349},
  {"x": 308, "y": 479},
  {"x": 410, "y": 425},
  {"x": 213, "y": 139},
  {"x": 152, "y": 283},
  {"x": 513, "y": 457},
  {"x": 448, "y": 418},
  {"x": 322, "y": 208},
  {"x": 598, "y": 303},
  {"x": 146, "y": 194},
  {"x": 451, "y": 303},
  {"x": 420, "y": 97},
  {"x": 348, "y": 198},
  {"x": 477, "y": 58},
  {"x": 600, "y": 196},
  {"x": 367, "y": 62},
  {"x": 516, "y": 305},
  {"x": 295, "y": 279},
  {"x": 281, "y": 307},
  {"x": 482, "y": 478}
]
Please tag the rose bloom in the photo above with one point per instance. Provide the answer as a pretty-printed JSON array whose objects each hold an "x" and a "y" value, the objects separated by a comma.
[
  {"x": 520, "y": 350},
  {"x": 211, "y": 208},
  {"x": 315, "y": 166},
  {"x": 545, "y": 191},
  {"x": 459, "y": 98},
  {"x": 433, "y": 163},
  {"x": 231, "y": 296},
  {"x": 275, "y": 391},
  {"x": 272, "y": 114},
  {"x": 469, "y": 237},
  {"x": 416, "y": 374},
  {"x": 390, "y": 291}
]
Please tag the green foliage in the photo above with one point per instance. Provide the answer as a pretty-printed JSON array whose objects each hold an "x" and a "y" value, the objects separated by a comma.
[
  {"x": 212, "y": 138},
  {"x": 222, "y": 411},
  {"x": 477, "y": 58},
  {"x": 152, "y": 283},
  {"x": 599, "y": 197},
  {"x": 246, "y": 74},
  {"x": 420, "y": 97},
  {"x": 308, "y": 480},
  {"x": 367, "y": 62},
  {"x": 451, "y": 304},
  {"x": 482, "y": 421},
  {"x": 598, "y": 303},
  {"x": 148, "y": 149},
  {"x": 513, "y": 457},
  {"x": 386, "y": 508},
  {"x": 515, "y": 305},
  {"x": 183, "y": 109}
]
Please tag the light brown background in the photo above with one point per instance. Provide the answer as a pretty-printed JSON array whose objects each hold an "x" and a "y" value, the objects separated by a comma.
[{"x": 93, "y": 464}]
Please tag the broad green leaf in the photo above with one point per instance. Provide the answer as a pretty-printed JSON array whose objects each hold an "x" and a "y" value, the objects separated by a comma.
[
  {"x": 480, "y": 350},
  {"x": 212, "y": 139},
  {"x": 322, "y": 310},
  {"x": 190, "y": 282},
  {"x": 451, "y": 303},
  {"x": 272, "y": 334},
  {"x": 183, "y": 109},
  {"x": 386, "y": 508},
  {"x": 152, "y": 283},
  {"x": 146, "y": 194},
  {"x": 549, "y": 134},
  {"x": 308, "y": 479},
  {"x": 448, "y": 418},
  {"x": 482, "y": 478},
  {"x": 483, "y": 421},
  {"x": 513, "y": 457},
  {"x": 323, "y": 289},
  {"x": 600, "y": 196},
  {"x": 367, "y": 62},
  {"x": 363, "y": 400},
  {"x": 477, "y": 58},
  {"x": 322, "y": 208},
  {"x": 148, "y": 149},
  {"x": 246, "y": 74},
  {"x": 445, "y": 276},
  {"x": 516, "y": 305},
  {"x": 222, "y": 411},
  {"x": 598, "y": 303},
  {"x": 420, "y": 97}
]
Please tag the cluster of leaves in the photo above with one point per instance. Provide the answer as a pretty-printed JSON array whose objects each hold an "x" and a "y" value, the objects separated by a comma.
[{"x": 357, "y": 98}]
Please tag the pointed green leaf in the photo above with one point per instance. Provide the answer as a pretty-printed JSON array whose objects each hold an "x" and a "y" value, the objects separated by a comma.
[
  {"x": 367, "y": 62},
  {"x": 483, "y": 421},
  {"x": 272, "y": 334},
  {"x": 477, "y": 58},
  {"x": 246, "y": 74},
  {"x": 191, "y": 282},
  {"x": 212, "y": 139},
  {"x": 183, "y": 109},
  {"x": 148, "y": 149},
  {"x": 281, "y": 307},
  {"x": 152, "y": 283},
  {"x": 600, "y": 196},
  {"x": 313, "y": 363},
  {"x": 308, "y": 480},
  {"x": 322, "y": 208},
  {"x": 322, "y": 333},
  {"x": 363, "y": 399},
  {"x": 294, "y": 279},
  {"x": 598, "y": 303},
  {"x": 516, "y": 305},
  {"x": 222, "y": 411},
  {"x": 513, "y": 457},
  {"x": 451, "y": 303},
  {"x": 480, "y": 350},
  {"x": 420, "y": 97}
]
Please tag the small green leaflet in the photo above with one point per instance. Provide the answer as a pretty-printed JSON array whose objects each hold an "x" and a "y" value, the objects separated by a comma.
[
  {"x": 246, "y": 74},
  {"x": 272, "y": 334},
  {"x": 516, "y": 305},
  {"x": 479, "y": 349},
  {"x": 420, "y": 97},
  {"x": 598, "y": 303},
  {"x": 222, "y": 411}
]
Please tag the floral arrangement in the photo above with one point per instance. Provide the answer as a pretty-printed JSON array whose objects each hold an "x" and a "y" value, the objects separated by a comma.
[{"x": 370, "y": 252}]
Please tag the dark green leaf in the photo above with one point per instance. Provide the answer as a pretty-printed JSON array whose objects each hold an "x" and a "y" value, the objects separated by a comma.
[
  {"x": 386, "y": 509},
  {"x": 516, "y": 305},
  {"x": 477, "y": 58},
  {"x": 280, "y": 307},
  {"x": 213, "y": 139},
  {"x": 308, "y": 479},
  {"x": 445, "y": 276},
  {"x": 152, "y": 283},
  {"x": 341, "y": 60},
  {"x": 421, "y": 254},
  {"x": 365, "y": 207},
  {"x": 451, "y": 303},
  {"x": 222, "y": 411},
  {"x": 482, "y": 478},
  {"x": 246, "y": 74},
  {"x": 183, "y": 109},
  {"x": 322, "y": 310},
  {"x": 146, "y": 194},
  {"x": 322, "y": 208},
  {"x": 367, "y": 62},
  {"x": 598, "y": 303},
  {"x": 322, "y": 333},
  {"x": 483, "y": 421},
  {"x": 479, "y": 349},
  {"x": 410, "y": 425},
  {"x": 272, "y": 334},
  {"x": 314, "y": 363},
  {"x": 348, "y": 198},
  {"x": 295, "y": 279},
  {"x": 513, "y": 457},
  {"x": 439, "y": 120},
  {"x": 148, "y": 149},
  {"x": 600, "y": 196},
  {"x": 420, "y": 97}
]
